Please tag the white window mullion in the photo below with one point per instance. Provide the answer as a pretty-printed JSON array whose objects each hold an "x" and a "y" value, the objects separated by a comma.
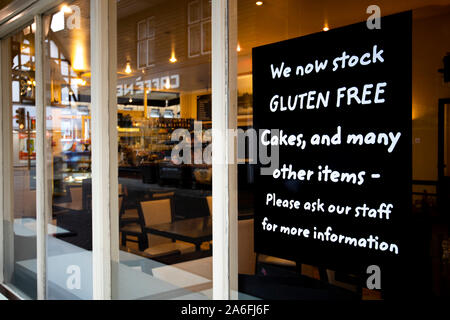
[
  {"x": 43, "y": 207},
  {"x": 224, "y": 119},
  {"x": 2, "y": 155},
  {"x": 4, "y": 105},
  {"x": 104, "y": 147},
  {"x": 113, "y": 143},
  {"x": 7, "y": 205}
]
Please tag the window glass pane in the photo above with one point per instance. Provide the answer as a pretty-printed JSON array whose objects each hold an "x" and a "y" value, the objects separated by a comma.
[
  {"x": 67, "y": 86},
  {"x": 64, "y": 68},
  {"x": 142, "y": 30},
  {"x": 151, "y": 27},
  {"x": 151, "y": 44},
  {"x": 206, "y": 9},
  {"x": 142, "y": 52},
  {"x": 195, "y": 40},
  {"x": 155, "y": 105},
  {"x": 194, "y": 11},
  {"x": 206, "y": 37},
  {"x": 20, "y": 222},
  {"x": 299, "y": 274},
  {"x": 16, "y": 91},
  {"x": 53, "y": 50}
]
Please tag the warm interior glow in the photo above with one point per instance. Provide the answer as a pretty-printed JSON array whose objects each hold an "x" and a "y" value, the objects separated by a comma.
[
  {"x": 238, "y": 49},
  {"x": 325, "y": 28},
  {"x": 57, "y": 21},
  {"x": 79, "y": 82},
  {"x": 79, "y": 63},
  {"x": 128, "y": 68},
  {"x": 259, "y": 3}
]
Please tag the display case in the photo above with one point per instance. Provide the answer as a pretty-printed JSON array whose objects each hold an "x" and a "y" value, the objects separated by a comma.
[{"x": 147, "y": 140}]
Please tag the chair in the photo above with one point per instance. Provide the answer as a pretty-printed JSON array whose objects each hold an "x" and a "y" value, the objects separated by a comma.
[
  {"x": 262, "y": 258},
  {"x": 274, "y": 265},
  {"x": 157, "y": 212},
  {"x": 162, "y": 195},
  {"x": 131, "y": 225},
  {"x": 130, "y": 210},
  {"x": 246, "y": 250},
  {"x": 133, "y": 230},
  {"x": 128, "y": 216},
  {"x": 332, "y": 280},
  {"x": 189, "y": 206},
  {"x": 209, "y": 200},
  {"x": 76, "y": 196},
  {"x": 79, "y": 223},
  {"x": 86, "y": 187}
]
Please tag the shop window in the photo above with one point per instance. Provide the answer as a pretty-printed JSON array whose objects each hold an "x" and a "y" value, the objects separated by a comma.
[
  {"x": 154, "y": 105},
  {"x": 263, "y": 276}
]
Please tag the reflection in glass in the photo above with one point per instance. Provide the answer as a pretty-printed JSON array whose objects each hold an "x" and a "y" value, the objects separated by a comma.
[
  {"x": 67, "y": 88},
  {"x": 20, "y": 223},
  {"x": 163, "y": 75}
]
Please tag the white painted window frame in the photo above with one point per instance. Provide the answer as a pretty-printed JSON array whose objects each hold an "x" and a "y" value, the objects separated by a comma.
[
  {"x": 105, "y": 228},
  {"x": 224, "y": 152},
  {"x": 104, "y": 145},
  {"x": 43, "y": 201},
  {"x": 6, "y": 178}
]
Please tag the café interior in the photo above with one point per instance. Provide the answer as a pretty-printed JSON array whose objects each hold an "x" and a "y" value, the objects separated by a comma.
[{"x": 164, "y": 84}]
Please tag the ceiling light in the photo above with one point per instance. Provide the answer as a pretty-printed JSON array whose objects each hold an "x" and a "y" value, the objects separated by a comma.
[
  {"x": 325, "y": 28},
  {"x": 66, "y": 9},
  {"x": 259, "y": 3},
  {"x": 128, "y": 68},
  {"x": 172, "y": 58}
]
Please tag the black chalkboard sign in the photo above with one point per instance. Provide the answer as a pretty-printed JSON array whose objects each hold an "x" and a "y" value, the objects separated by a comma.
[
  {"x": 204, "y": 107},
  {"x": 338, "y": 105}
]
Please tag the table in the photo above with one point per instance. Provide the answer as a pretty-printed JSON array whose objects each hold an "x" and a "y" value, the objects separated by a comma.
[{"x": 195, "y": 230}]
